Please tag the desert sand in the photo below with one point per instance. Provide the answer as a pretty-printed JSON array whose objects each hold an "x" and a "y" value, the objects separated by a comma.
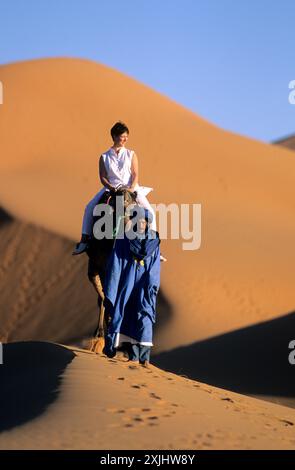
[
  {"x": 86, "y": 401},
  {"x": 226, "y": 311}
]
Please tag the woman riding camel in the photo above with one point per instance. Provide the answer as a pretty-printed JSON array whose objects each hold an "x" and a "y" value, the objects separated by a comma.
[{"x": 118, "y": 166}]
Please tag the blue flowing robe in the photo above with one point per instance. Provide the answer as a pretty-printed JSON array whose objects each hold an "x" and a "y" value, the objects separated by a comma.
[{"x": 130, "y": 290}]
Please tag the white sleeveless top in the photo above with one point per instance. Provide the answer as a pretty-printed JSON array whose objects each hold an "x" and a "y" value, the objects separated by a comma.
[{"x": 118, "y": 168}]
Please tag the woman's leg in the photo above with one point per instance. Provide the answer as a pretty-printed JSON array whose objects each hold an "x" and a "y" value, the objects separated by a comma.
[
  {"x": 141, "y": 199},
  {"x": 87, "y": 224}
]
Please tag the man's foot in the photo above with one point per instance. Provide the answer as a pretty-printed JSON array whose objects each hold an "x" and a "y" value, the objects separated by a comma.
[
  {"x": 133, "y": 364},
  {"x": 109, "y": 352},
  {"x": 162, "y": 258},
  {"x": 145, "y": 364},
  {"x": 81, "y": 247}
]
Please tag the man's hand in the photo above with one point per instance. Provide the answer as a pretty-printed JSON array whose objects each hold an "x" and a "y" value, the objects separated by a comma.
[
  {"x": 131, "y": 189},
  {"x": 111, "y": 188}
]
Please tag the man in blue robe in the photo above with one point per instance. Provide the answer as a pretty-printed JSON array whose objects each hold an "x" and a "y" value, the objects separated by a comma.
[{"x": 131, "y": 285}]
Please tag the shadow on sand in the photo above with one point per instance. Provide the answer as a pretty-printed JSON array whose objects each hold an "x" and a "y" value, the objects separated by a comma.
[
  {"x": 5, "y": 218},
  {"x": 251, "y": 361},
  {"x": 29, "y": 378}
]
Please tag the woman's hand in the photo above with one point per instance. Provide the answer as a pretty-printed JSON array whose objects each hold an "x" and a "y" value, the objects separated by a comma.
[{"x": 134, "y": 172}]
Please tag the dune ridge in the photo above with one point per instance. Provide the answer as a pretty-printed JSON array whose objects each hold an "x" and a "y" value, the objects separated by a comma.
[
  {"x": 109, "y": 404},
  {"x": 45, "y": 293}
]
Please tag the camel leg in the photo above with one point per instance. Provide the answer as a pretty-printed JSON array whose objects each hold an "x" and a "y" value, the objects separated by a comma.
[{"x": 97, "y": 343}]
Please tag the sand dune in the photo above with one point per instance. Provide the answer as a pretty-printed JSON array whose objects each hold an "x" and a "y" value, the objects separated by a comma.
[
  {"x": 288, "y": 142},
  {"x": 105, "y": 403},
  {"x": 55, "y": 122},
  {"x": 226, "y": 311},
  {"x": 45, "y": 293}
]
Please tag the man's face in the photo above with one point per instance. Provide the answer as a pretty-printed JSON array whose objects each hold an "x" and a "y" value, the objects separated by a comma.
[{"x": 142, "y": 223}]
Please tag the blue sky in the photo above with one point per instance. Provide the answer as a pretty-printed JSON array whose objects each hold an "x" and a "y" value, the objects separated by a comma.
[{"x": 229, "y": 61}]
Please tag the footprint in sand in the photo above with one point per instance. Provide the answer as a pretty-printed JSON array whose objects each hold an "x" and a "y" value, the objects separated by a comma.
[
  {"x": 206, "y": 444},
  {"x": 140, "y": 420},
  {"x": 156, "y": 397},
  {"x": 114, "y": 410},
  {"x": 141, "y": 385},
  {"x": 227, "y": 399},
  {"x": 286, "y": 422},
  {"x": 142, "y": 417}
]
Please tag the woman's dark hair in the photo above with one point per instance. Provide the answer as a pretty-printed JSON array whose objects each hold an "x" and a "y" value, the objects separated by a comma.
[{"x": 118, "y": 129}]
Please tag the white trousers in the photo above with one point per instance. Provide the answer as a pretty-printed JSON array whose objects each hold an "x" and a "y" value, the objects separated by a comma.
[{"x": 88, "y": 213}]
